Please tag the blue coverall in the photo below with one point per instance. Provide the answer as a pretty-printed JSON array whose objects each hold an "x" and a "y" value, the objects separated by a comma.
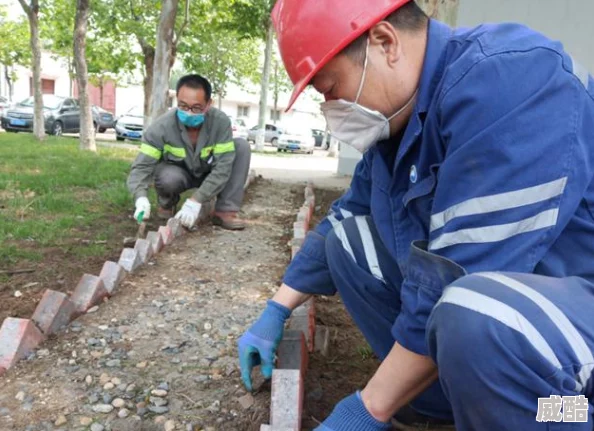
[{"x": 470, "y": 238}]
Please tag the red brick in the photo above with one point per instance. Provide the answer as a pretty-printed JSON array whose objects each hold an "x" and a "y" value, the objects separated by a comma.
[
  {"x": 303, "y": 319},
  {"x": 130, "y": 260},
  {"x": 18, "y": 338},
  {"x": 89, "y": 292},
  {"x": 112, "y": 275},
  {"x": 176, "y": 227},
  {"x": 144, "y": 249},
  {"x": 166, "y": 234},
  {"x": 292, "y": 352},
  {"x": 156, "y": 241},
  {"x": 287, "y": 400},
  {"x": 53, "y": 312}
]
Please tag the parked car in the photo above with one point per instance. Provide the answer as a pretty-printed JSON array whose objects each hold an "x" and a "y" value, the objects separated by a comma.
[
  {"x": 4, "y": 105},
  {"x": 239, "y": 127},
  {"x": 61, "y": 114},
  {"x": 318, "y": 135},
  {"x": 296, "y": 139},
  {"x": 271, "y": 134},
  {"x": 130, "y": 125},
  {"x": 102, "y": 119}
]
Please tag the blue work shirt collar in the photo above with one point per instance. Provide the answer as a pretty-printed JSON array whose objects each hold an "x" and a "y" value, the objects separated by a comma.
[{"x": 438, "y": 36}]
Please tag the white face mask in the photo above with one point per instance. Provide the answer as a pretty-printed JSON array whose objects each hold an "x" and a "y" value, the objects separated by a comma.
[{"x": 356, "y": 125}]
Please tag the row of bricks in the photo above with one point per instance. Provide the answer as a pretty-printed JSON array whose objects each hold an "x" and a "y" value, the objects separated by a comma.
[
  {"x": 19, "y": 337},
  {"x": 299, "y": 339}
]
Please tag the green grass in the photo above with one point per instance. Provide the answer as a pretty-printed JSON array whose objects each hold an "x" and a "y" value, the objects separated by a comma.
[{"x": 52, "y": 193}]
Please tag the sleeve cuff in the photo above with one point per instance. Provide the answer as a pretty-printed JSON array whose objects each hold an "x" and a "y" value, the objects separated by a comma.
[{"x": 308, "y": 272}]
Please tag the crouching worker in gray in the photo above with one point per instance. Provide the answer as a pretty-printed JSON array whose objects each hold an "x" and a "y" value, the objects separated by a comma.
[{"x": 192, "y": 147}]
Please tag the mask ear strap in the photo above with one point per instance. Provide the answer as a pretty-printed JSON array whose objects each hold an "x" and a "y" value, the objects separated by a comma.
[
  {"x": 405, "y": 106},
  {"x": 364, "y": 71}
]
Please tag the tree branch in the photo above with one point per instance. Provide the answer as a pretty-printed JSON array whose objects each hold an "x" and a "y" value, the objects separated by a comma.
[
  {"x": 185, "y": 23},
  {"x": 26, "y": 7}
]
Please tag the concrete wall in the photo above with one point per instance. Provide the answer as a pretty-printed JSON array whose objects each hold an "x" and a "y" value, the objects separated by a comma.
[{"x": 568, "y": 21}]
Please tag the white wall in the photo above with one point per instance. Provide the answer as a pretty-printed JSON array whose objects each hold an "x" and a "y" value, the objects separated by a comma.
[
  {"x": 128, "y": 97},
  {"x": 569, "y": 21},
  {"x": 51, "y": 68}
]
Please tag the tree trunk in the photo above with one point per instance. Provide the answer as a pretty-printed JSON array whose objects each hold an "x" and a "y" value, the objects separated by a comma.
[
  {"x": 264, "y": 88},
  {"x": 101, "y": 90},
  {"x": 70, "y": 77},
  {"x": 87, "y": 131},
  {"x": 276, "y": 91},
  {"x": 149, "y": 62},
  {"x": 32, "y": 12},
  {"x": 442, "y": 10},
  {"x": 8, "y": 82},
  {"x": 162, "y": 61}
]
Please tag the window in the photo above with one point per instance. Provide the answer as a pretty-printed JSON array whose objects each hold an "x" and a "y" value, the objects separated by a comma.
[
  {"x": 275, "y": 115},
  {"x": 243, "y": 111},
  {"x": 68, "y": 104}
]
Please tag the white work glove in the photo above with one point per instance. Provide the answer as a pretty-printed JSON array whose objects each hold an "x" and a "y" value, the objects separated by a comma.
[
  {"x": 189, "y": 213},
  {"x": 142, "y": 205}
]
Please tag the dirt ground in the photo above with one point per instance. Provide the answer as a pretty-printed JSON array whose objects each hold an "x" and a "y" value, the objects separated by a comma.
[
  {"x": 60, "y": 268},
  {"x": 173, "y": 326}
]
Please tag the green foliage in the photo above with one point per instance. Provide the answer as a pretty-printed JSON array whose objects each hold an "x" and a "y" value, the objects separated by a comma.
[
  {"x": 222, "y": 57},
  {"x": 14, "y": 48}
]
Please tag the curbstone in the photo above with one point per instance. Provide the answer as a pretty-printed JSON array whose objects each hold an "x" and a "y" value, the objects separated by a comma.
[
  {"x": 156, "y": 241},
  {"x": 18, "y": 338},
  {"x": 299, "y": 230},
  {"x": 287, "y": 400},
  {"x": 112, "y": 275},
  {"x": 89, "y": 292},
  {"x": 264, "y": 427},
  {"x": 294, "y": 250},
  {"x": 250, "y": 179},
  {"x": 322, "y": 340},
  {"x": 176, "y": 227},
  {"x": 292, "y": 352},
  {"x": 166, "y": 234},
  {"x": 144, "y": 249},
  {"x": 303, "y": 319},
  {"x": 130, "y": 260},
  {"x": 53, "y": 312}
]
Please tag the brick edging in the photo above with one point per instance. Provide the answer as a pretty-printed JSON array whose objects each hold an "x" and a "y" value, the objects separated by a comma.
[
  {"x": 286, "y": 404},
  {"x": 20, "y": 337}
]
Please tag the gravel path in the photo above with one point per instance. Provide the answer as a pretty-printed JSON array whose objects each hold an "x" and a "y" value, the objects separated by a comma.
[{"x": 161, "y": 354}]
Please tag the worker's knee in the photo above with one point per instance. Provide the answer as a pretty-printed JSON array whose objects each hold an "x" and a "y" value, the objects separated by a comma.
[
  {"x": 340, "y": 245},
  {"x": 170, "y": 180},
  {"x": 242, "y": 148},
  {"x": 457, "y": 330}
]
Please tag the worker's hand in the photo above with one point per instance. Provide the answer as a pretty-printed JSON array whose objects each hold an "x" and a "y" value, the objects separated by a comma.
[
  {"x": 142, "y": 206},
  {"x": 258, "y": 345},
  {"x": 351, "y": 415},
  {"x": 189, "y": 213}
]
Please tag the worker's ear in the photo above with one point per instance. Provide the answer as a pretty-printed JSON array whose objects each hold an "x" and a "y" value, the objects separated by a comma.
[{"x": 385, "y": 36}]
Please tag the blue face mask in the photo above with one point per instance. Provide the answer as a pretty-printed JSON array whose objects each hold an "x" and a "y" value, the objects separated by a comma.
[{"x": 190, "y": 120}]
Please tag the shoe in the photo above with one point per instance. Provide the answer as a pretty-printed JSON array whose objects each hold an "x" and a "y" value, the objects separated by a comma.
[
  {"x": 228, "y": 220},
  {"x": 165, "y": 214},
  {"x": 409, "y": 419}
]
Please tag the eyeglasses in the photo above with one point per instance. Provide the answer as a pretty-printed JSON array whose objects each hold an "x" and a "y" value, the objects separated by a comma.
[{"x": 192, "y": 109}]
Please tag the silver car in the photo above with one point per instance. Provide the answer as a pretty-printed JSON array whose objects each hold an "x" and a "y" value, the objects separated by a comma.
[{"x": 271, "y": 134}]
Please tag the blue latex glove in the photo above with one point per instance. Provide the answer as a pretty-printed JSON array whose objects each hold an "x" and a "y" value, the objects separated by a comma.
[
  {"x": 258, "y": 345},
  {"x": 351, "y": 415}
]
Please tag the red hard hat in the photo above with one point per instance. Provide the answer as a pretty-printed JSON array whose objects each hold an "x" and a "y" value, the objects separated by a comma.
[{"x": 311, "y": 32}]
